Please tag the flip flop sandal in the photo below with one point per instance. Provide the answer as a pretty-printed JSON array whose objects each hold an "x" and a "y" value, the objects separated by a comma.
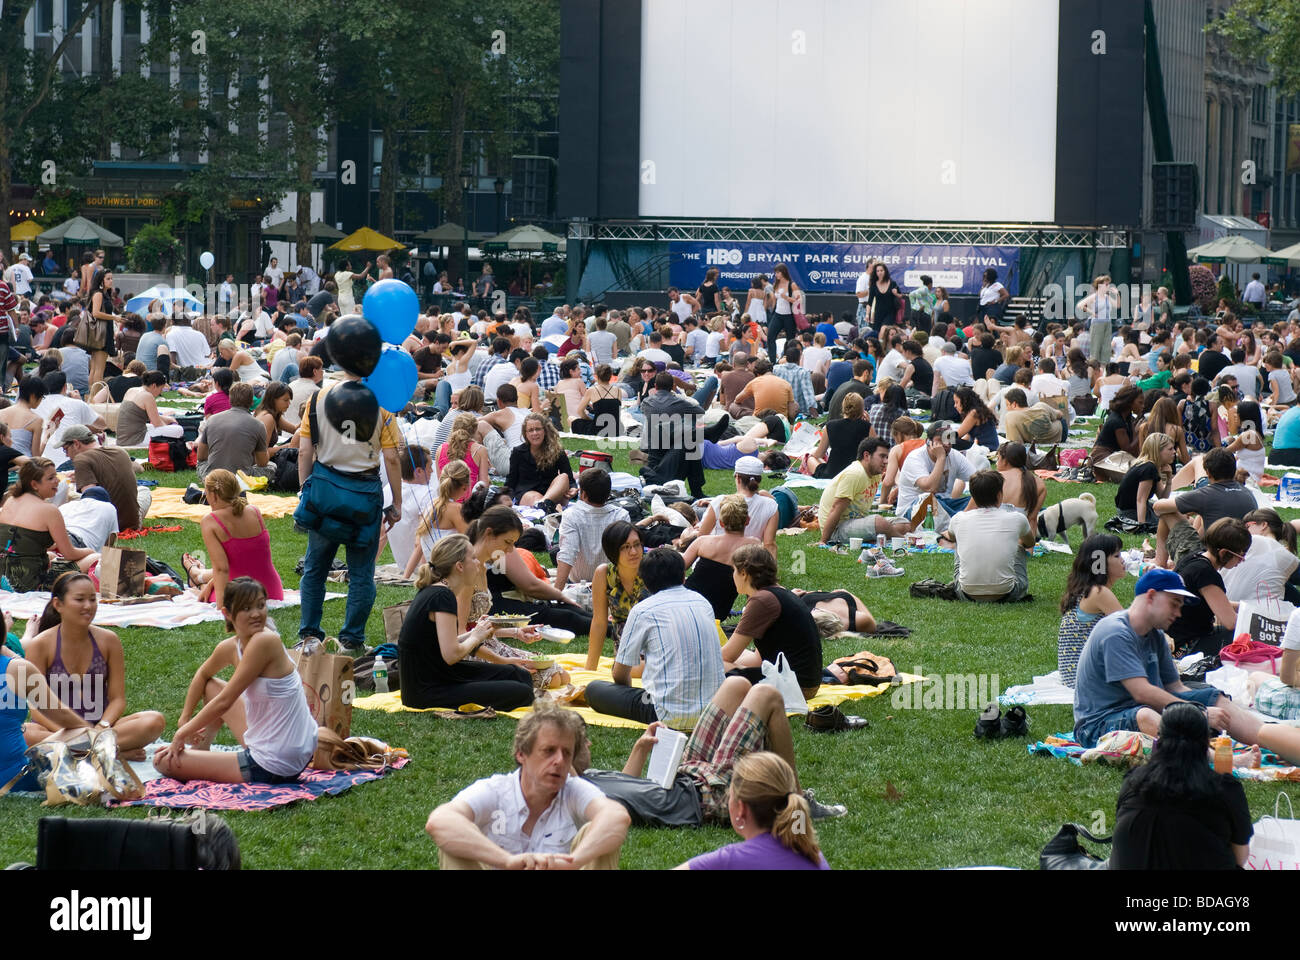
[
  {"x": 188, "y": 563},
  {"x": 989, "y": 724}
]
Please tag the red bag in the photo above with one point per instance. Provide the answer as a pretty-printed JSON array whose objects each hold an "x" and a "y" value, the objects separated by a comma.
[
  {"x": 171, "y": 455},
  {"x": 1244, "y": 651}
]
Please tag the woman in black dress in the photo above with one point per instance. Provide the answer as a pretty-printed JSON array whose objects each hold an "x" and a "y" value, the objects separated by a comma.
[
  {"x": 708, "y": 295},
  {"x": 883, "y": 298},
  {"x": 101, "y": 308},
  {"x": 435, "y": 649}
]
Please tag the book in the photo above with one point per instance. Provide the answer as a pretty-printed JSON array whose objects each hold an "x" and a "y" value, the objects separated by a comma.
[{"x": 666, "y": 756}]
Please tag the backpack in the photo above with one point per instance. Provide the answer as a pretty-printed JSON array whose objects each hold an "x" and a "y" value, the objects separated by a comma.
[{"x": 171, "y": 455}]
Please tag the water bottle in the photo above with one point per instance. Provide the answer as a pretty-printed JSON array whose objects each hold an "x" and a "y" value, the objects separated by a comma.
[{"x": 380, "y": 673}]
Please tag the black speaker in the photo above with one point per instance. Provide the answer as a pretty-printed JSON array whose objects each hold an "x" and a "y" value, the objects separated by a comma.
[
  {"x": 1175, "y": 189},
  {"x": 532, "y": 192}
]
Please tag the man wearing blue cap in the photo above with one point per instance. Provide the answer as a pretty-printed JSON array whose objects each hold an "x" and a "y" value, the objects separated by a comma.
[{"x": 1126, "y": 674}]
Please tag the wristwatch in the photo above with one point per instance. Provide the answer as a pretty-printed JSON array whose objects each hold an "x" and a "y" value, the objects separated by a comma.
[{"x": 103, "y": 723}]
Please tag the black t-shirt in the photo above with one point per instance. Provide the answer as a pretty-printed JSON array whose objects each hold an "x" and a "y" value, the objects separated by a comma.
[
  {"x": 421, "y": 659},
  {"x": 1166, "y": 835},
  {"x": 1211, "y": 363},
  {"x": 1197, "y": 619},
  {"x": 426, "y": 361},
  {"x": 118, "y": 386},
  {"x": 982, "y": 360},
  {"x": 780, "y": 623},
  {"x": 676, "y": 351},
  {"x": 922, "y": 375},
  {"x": 844, "y": 436},
  {"x": 1126, "y": 495},
  {"x": 526, "y": 475},
  {"x": 1106, "y": 437}
]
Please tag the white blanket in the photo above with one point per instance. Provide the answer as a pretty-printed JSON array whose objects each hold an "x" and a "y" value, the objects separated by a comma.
[
  {"x": 165, "y": 613},
  {"x": 1044, "y": 690}
]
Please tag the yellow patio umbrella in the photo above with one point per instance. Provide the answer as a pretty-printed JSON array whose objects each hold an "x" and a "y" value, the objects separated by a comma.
[
  {"x": 366, "y": 239},
  {"x": 25, "y": 231}
]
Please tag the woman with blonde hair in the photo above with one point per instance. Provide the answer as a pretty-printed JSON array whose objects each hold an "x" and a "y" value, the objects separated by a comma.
[
  {"x": 444, "y": 516},
  {"x": 461, "y": 446},
  {"x": 771, "y": 813},
  {"x": 236, "y": 539},
  {"x": 437, "y": 651},
  {"x": 1149, "y": 476},
  {"x": 713, "y": 575}
]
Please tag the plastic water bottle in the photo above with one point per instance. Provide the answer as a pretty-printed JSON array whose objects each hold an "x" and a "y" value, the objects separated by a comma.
[{"x": 380, "y": 673}]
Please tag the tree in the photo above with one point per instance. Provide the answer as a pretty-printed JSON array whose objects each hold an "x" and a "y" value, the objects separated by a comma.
[
  {"x": 25, "y": 81},
  {"x": 1268, "y": 27}
]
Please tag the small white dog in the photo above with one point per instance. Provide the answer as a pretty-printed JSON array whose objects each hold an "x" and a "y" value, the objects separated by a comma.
[{"x": 1056, "y": 520}]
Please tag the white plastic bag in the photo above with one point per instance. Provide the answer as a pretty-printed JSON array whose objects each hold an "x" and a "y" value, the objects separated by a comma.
[
  {"x": 781, "y": 676},
  {"x": 804, "y": 440},
  {"x": 1275, "y": 844}
]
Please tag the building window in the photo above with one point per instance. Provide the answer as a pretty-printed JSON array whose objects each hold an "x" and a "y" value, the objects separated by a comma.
[
  {"x": 1259, "y": 104},
  {"x": 131, "y": 19},
  {"x": 44, "y": 17}
]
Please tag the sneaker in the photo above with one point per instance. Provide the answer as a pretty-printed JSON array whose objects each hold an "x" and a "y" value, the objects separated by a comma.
[
  {"x": 824, "y": 811},
  {"x": 883, "y": 568},
  {"x": 989, "y": 725}
]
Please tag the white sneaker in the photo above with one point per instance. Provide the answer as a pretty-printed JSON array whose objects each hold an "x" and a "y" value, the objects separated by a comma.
[{"x": 883, "y": 568}]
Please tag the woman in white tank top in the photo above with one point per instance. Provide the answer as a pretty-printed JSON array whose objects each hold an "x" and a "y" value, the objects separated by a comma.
[{"x": 262, "y": 704}]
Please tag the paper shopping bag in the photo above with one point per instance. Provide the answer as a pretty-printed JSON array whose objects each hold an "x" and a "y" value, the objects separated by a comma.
[
  {"x": 1275, "y": 844},
  {"x": 121, "y": 573},
  {"x": 393, "y": 617},
  {"x": 328, "y": 682}
]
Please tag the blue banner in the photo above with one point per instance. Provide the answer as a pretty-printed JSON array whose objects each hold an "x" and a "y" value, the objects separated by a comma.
[{"x": 835, "y": 267}]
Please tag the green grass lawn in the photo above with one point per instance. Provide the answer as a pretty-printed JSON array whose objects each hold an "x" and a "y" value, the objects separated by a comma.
[{"x": 954, "y": 800}]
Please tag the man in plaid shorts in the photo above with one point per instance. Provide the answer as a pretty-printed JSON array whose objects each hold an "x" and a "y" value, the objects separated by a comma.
[{"x": 738, "y": 720}]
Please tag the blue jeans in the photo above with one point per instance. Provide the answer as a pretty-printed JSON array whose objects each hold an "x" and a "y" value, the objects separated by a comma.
[
  {"x": 361, "y": 588},
  {"x": 705, "y": 392},
  {"x": 442, "y": 398},
  {"x": 290, "y": 373}
]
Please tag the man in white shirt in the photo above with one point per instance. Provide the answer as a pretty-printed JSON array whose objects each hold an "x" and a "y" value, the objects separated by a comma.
[
  {"x": 226, "y": 294},
  {"x": 1254, "y": 293},
  {"x": 894, "y": 363},
  {"x": 863, "y": 290},
  {"x": 537, "y": 818},
  {"x": 990, "y": 561},
  {"x": 582, "y": 525},
  {"x": 933, "y": 478},
  {"x": 697, "y": 341},
  {"x": 681, "y": 304},
  {"x": 310, "y": 280},
  {"x": 557, "y": 323},
  {"x": 188, "y": 347},
  {"x": 273, "y": 274},
  {"x": 952, "y": 370},
  {"x": 1046, "y": 383},
  {"x": 1247, "y": 377},
  {"x": 66, "y": 411},
  {"x": 71, "y": 286},
  {"x": 654, "y": 353},
  {"x": 91, "y": 520},
  {"x": 503, "y": 373},
  {"x": 22, "y": 275}
]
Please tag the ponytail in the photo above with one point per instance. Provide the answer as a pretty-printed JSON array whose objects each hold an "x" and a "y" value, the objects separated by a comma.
[
  {"x": 792, "y": 827},
  {"x": 766, "y": 784},
  {"x": 454, "y": 475},
  {"x": 750, "y": 483}
]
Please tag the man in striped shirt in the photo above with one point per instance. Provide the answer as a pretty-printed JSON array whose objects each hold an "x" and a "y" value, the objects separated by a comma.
[
  {"x": 674, "y": 629},
  {"x": 800, "y": 380},
  {"x": 582, "y": 525},
  {"x": 500, "y": 354}
]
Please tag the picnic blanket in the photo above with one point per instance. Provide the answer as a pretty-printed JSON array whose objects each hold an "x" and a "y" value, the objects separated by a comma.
[
  {"x": 580, "y": 677},
  {"x": 1118, "y": 749},
  {"x": 312, "y": 785},
  {"x": 169, "y": 502},
  {"x": 167, "y": 613}
]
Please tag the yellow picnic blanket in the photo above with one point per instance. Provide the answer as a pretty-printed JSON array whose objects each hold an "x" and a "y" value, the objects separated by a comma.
[
  {"x": 169, "y": 502},
  {"x": 580, "y": 676}
]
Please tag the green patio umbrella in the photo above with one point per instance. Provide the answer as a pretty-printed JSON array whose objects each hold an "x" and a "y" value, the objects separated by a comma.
[
  {"x": 288, "y": 230},
  {"x": 80, "y": 230}
]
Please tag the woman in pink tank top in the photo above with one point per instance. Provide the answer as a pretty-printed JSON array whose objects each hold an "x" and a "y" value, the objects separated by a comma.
[
  {"x": 461, "y": 446},
  {"x": 246, "y": 549}
]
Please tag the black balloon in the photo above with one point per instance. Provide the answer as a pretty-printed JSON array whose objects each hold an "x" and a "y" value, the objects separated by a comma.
[
  {"x": 355, "y": 344},
  {"x": 351, "y": 408}
]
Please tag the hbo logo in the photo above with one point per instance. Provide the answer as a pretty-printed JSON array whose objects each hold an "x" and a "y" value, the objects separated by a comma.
[{"x": 719, "y": 255}]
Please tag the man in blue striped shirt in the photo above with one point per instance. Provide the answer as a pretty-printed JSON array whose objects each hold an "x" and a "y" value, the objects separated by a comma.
[
  {"x": 674, "y": 630},
  {"x": 800, "y": 380}
]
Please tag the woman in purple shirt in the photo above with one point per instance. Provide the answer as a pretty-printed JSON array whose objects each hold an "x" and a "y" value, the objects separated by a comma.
[{"x": 770, "y": 812}]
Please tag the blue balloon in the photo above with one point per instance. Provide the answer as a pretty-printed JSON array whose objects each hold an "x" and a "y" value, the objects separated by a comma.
[
  {"x": 393, "y": 307},
  {"x": 393, "y": 380}
]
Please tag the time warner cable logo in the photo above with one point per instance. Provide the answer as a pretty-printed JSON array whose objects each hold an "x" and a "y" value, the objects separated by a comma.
[{"x": 78, "y": 914}]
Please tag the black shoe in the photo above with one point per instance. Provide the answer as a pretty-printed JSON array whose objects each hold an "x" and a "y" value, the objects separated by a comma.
[
  {"x": 718, "y": 430},
  {"x": 546, "y": 506},
  {"x": 1015, "y": 723},
  {"x": 989, "y": 724}
]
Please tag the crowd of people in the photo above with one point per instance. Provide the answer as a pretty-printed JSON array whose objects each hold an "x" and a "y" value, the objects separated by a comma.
[{"x": 923, "y": 425}]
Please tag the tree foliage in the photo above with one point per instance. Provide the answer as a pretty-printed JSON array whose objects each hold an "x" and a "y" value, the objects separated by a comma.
[{"x": 1270, "y": 28}]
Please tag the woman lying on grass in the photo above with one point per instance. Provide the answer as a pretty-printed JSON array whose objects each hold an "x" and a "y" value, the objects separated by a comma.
[{"x": 262, "y": 704}]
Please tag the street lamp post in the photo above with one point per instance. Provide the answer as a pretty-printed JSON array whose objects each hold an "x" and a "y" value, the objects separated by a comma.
[
  {"x": 466, "y": 181},
  {"x": 500, "y": 185}
]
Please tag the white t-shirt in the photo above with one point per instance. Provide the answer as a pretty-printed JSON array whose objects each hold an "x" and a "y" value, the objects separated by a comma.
[
  {"x": 955, "y": 371},
  {"x": 71, "y": 286},
  {"x": 991, "y": 293},
  {"x": 500, "y": 811},
  {"x": 918, "y": 465},
  {"x": 190, "y": 346},
  {"x": 713, "y": 346},
  {"x": 1048, "y": 385},
  {"x": 892, "y": 366},
  {"x": 655, "y": 355},
  {"x": 1247, "y": 378},
  {"x": 93, "y": 521},
  {"x": 987, "y": 541},
  {"x": 276, "y": 275},
  {"x": 401, "y": 536},
  {"x": 1263, "y": 573},
  {"x": 863, "y": 288},
  {"x": 74, "y": 412},
  {"x": 501, "y": 373},
  {"x": 682, "y": 309},
  {"x": 815, "y": 359},
  {"x": 22, "y": 279}
]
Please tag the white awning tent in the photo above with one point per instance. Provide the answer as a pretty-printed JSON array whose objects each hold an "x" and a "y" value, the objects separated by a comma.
[{"x": 1216, "y": 226}]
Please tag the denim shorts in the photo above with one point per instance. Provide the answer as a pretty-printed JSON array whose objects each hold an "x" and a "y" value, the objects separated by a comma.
[
  {"x": 252, "y": 772},
  {"x": 1126, "y": 718}
]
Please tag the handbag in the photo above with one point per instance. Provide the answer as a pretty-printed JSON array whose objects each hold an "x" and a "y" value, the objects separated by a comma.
[
  {"x": 1252, "y": 654},
  {"x": 1084, "y": 406},
  {"x": 1064, "y": 852},
  {"x": 1042, "y": 461},
  {"x": 1113, "y": 467},
  {"x": 863, "y": 667},
  {"x": 171, "y": 455},
  {"x": 91, "y": 333},
  {"x": 80, "y": 766},
  {"x": 781, "y": 676},
  {"x": 1275, "y": 844}
]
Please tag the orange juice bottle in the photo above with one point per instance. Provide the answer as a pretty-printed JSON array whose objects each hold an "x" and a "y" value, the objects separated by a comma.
[{"x": 1223, "y": 754}]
